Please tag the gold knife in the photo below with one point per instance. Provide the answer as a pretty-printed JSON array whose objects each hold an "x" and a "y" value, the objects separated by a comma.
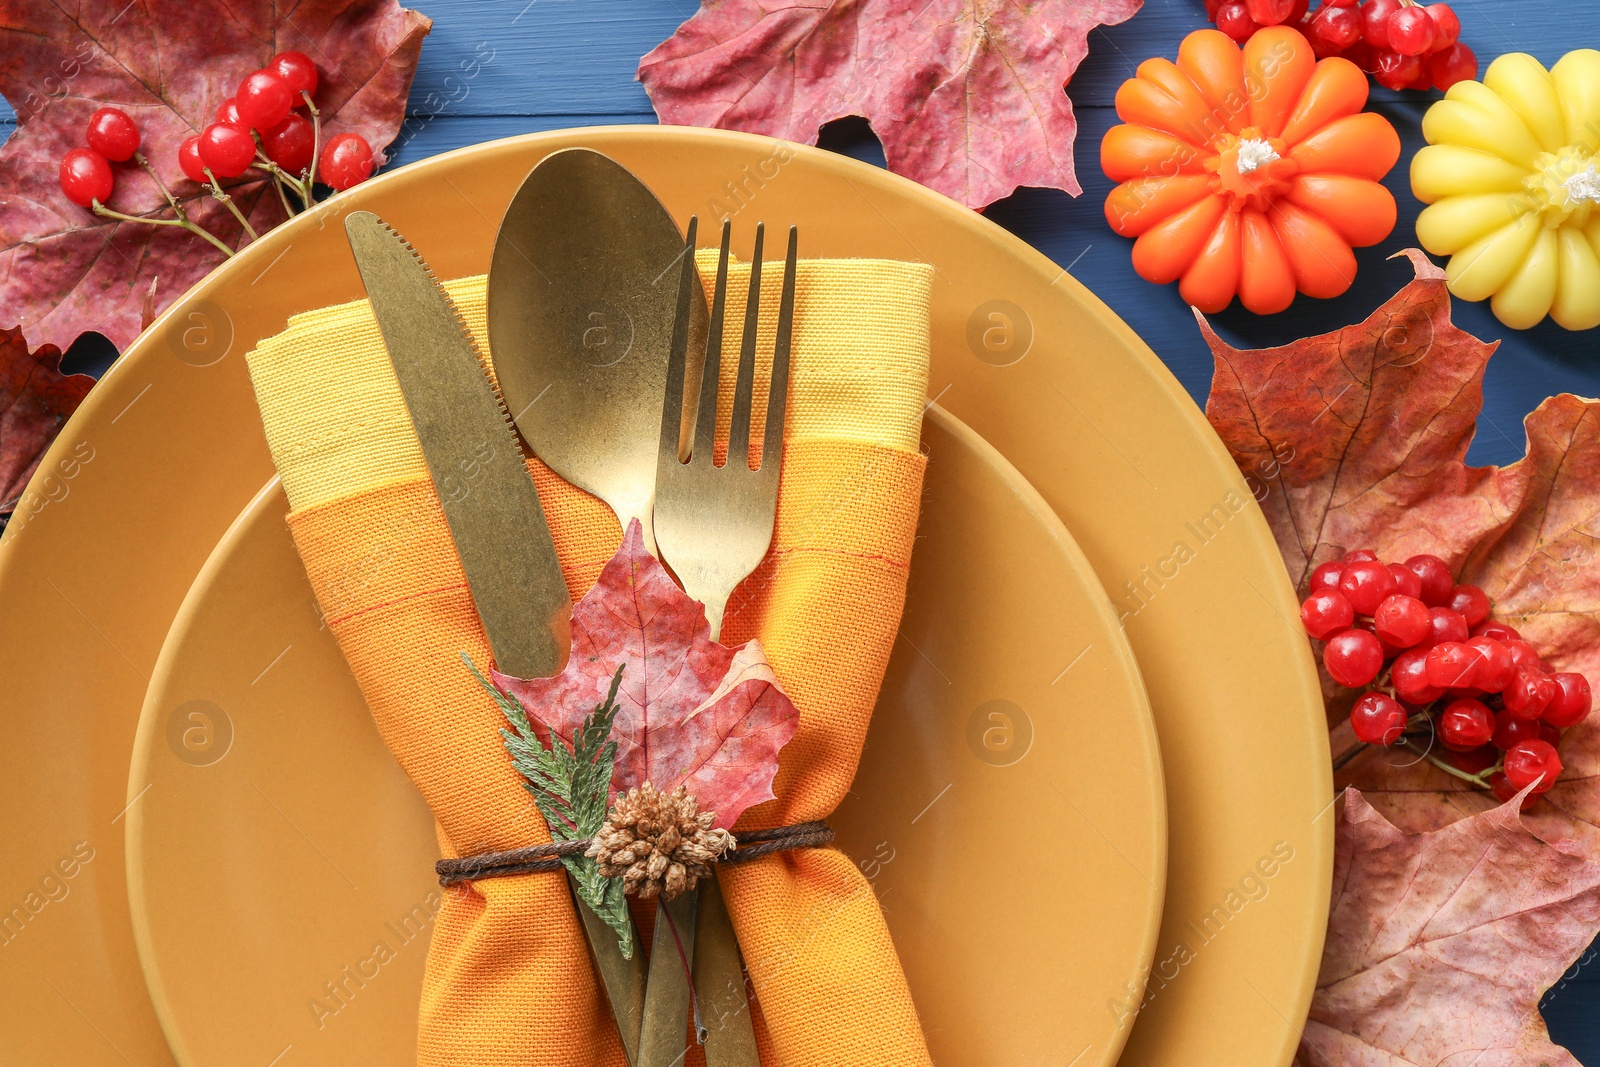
[{"x": 490, "y": 504}]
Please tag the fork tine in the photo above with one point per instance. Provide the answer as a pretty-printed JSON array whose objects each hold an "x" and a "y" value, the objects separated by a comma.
[
  {"x": 778, "y": 395},
  {"x": 739, "y": 429},
  {"x": 705, "y": 424},
  {"x": 678, "y": 355}
]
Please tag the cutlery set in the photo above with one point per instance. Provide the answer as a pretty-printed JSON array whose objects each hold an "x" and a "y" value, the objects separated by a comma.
[{"x": 593, "y": 367}]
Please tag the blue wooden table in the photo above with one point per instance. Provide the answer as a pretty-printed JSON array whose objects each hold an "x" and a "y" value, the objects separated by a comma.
[{"x": 493, "y": 68}]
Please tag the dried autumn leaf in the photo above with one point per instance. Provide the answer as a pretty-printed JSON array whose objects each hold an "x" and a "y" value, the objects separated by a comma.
[
  {"x": 35, "y": 399},
  {"x": 1440, "y": 944},
  {"x": 1358, "y": 439},
  {"x": 64, "y": 270},
  {"x": 966, "y": 95},
  {"x": 692, "y": 712}
]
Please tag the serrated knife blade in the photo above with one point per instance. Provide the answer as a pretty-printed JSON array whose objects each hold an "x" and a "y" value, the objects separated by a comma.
[
  {"x": 490, "y": 504},
  {"x": 471, "y": 449}
]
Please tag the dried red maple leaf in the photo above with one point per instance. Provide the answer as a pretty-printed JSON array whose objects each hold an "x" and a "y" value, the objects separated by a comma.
[
  {"x": 35, "y": 399},
  {"x": 1440, "y": 944},
  {"x": 690, "y": 711},
  {"x": 65, "y": 270},
  {"x": 966, "y": 95},
  {"x": 1358, "y": 439}
]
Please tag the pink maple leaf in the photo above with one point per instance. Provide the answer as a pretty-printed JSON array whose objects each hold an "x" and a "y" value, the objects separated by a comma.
[{"x": 690, "y": 711}]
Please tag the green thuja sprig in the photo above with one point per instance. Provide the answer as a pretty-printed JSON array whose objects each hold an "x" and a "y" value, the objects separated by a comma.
[{"x": 570, "y": 785}]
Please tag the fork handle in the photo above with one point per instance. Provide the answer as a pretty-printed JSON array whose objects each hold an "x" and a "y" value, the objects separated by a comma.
[{"x": 719, "y": 984}]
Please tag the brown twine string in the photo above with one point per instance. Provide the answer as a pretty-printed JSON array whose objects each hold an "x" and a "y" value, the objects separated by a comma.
[{"x": 537, "y": 858}]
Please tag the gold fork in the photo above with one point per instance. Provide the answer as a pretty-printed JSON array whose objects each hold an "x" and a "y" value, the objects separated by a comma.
[{"x": 713, "y": 525}]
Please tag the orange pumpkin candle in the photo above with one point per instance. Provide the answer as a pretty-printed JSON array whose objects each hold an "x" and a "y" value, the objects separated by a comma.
[{"x": 1250, "y": 172}]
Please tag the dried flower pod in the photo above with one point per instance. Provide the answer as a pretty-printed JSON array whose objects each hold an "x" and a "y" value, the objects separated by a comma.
[{"x": 658, "y": 842}]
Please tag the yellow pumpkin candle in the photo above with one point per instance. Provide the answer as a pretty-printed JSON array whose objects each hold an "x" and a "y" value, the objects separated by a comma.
[
  {"x": 1510, "y": 173},
  {"x": 1250, "y": 172}
]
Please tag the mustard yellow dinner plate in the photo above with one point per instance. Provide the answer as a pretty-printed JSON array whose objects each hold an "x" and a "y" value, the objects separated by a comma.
[
  {"x": 167, "y": 449},
  {"x": 280, "y": 865}
]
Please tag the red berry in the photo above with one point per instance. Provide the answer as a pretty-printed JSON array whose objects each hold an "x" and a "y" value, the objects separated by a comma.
[
  {"x": 289, "y": 143},
  {"x": 297, "y": 71},
  {"x": 113, "y": 134},
  {"x": 1366, "y": 583},
  {"x": 1471, "y": 602},
  {"x": 1353, "y": 658},
  {"x": 1234, "y": 20},
  {"x": 1395, "y": 71},
  {"x": 228, "y": 111},
  {"x": 1451, "y": 664},
  {"x": 227, "y": 150},
  {"x": 1458, "y": 63},
  {"x": 1529, "y": 693},
  {"x": 1571, "y": 703},
  {"x": 1375, "y": 21},
  {"x": 1530, "y": 762},
  {"x": 1409, "y": 673},
  {"x": 1465, "y": 725},
  {"x": 1401, "y": 621},
  {"x": 1446, "y": 25},
  {"x": 1406, "y": 582},
  {"x": 1523, "y": 654},
  {"x": 1510, "y": 730},
  {"x": 1270, "y": 12},
  {"x": 1336, "y": 28},
  {"x": 1505, "y": 790},
  {"x": 86, "y": 177},
  {"x": 1211, "y": 9},
  {"x": 1496, "y": 629},
  {"x": 346, "y": 161},
  {"x": 1410, "y": 31},
  {"x": 1445, "y": 625},
  {"x": 264, "y": 98},
  {"x": 1326, "y": 576},
  {"x": 1326, "y": 4},
  {"x": 1378, "y": 719},
  {"x": 1358, "y": 555},
  {"x": 1437, "y": 581},
  {"x": 1474, "y": 760},
  {"x": 194, "y": 168},
  {"x": 1494, "y": 664},
  {"x": 1325, "y": 614}
]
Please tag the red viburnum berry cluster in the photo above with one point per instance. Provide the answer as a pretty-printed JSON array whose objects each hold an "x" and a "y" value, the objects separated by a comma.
[
  {"x": 1402, "y": 44},
  {"x": 1436, "y": 665},
  {"x": 260, "y": 126}
]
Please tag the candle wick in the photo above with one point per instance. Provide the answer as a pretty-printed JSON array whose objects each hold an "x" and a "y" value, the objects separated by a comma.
[
  {"x": 1257, "y": 153},
  {"x": 1584, "y": 186}
]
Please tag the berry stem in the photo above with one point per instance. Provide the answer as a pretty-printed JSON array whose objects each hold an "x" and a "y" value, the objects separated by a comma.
[
  {"x": 172, "y": 201},
  {"x": 1476, "y": 779},
  {"x": 309, "y": 177},
  {"x": 100, "y": 209},
  {"x": 280, "y": 179},
  {"x": 227, "y": 202}
]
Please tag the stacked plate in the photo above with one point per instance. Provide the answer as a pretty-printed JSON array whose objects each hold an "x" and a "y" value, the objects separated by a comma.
[{"x": 212, "y": 859}]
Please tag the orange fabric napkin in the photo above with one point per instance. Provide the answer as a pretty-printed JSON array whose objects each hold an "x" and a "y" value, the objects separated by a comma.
[{"x": 509, "y": 981}]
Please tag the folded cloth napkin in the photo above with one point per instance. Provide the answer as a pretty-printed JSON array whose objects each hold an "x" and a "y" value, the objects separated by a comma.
[{"x": 509, "y": 981}]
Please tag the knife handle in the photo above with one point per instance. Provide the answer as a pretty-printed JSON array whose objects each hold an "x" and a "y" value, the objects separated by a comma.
[
  {"x": 719, "y": 983},
  {"x": 622, "y": 978},
  {"x": 666, "y": 1008}
]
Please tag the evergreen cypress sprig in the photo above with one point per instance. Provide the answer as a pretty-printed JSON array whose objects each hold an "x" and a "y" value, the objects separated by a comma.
[{"x": 570, "y": 786}]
